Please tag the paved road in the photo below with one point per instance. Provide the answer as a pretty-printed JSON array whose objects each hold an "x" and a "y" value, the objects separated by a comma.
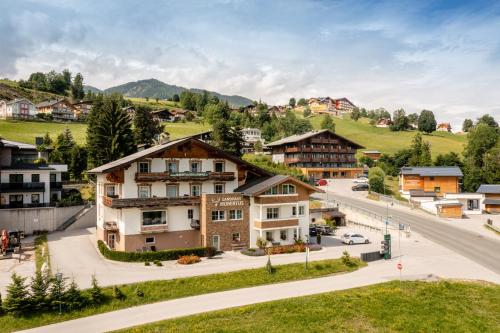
[{"x": 484, "y": 251}]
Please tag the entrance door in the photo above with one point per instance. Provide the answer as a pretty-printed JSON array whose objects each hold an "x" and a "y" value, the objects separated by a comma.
[
  {"x": 216, "y": 242},
  {"x": 111, "y": 241},
  {"x": 16, "y": 200}
]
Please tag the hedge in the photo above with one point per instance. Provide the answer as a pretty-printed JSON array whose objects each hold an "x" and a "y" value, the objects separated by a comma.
[{"x": 173, "y": 254}]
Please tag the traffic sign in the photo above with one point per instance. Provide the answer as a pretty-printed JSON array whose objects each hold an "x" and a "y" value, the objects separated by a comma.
[{"x": 400, "y": 266}]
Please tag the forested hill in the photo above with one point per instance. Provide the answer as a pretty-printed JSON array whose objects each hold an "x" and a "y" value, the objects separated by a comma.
[{"x": 153, "y": 88}]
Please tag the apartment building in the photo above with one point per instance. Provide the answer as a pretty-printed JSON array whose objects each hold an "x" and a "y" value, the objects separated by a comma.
[
  {"x": 21, "y": 108},
  {"x": 430, "y": 182},
  {"x": 319, "y": 154},
  {"x": 60, "y": 109},
  {"x": 250, "y": 137},
  {"x": 24, "y": 183},
  {"x": 187, "y": 193}
]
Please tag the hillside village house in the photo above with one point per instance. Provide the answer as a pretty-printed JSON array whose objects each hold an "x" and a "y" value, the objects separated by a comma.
[
  {"x": 24, "y": 183},
  {"x": 187, "y": 193},
  {"x": 491, "y": 202},
  {"x": 60, "y": 109},
  {"x": 383, "y": 123},
  {"x": 444, "y": 127},
  {"x": 82, "y": 109},
  {"x": 278, "y": 110},
  {"x": 318, "y": 154},
  {"x": 373, "y": 154},
  {"x": 21, "y": 108},
  {"x": 250, "y": 137},
  {"x": 415, "y": 182}
]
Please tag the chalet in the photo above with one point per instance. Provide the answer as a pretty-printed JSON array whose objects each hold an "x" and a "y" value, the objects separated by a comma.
[
  {"x": 251, "y": 109},
  {"x": 20, "y": 108},
  {"x": 444, "y": 127},
  {"x": 429, "y": 182},
  {"x": 163, "y": 115},
  {"x": 383, "y": 122},
  {"x": 178, "y": 114},
  {"x": 318, "y": 154},
  {"x": 491, "y": 202},
  {"x": 278, "y": 110},
  {"x": 60, "y": 109},
  {"x": 373, "y": 154},
  {"x": 187, "y": 193},
  {"x": 82, "y": 109}
]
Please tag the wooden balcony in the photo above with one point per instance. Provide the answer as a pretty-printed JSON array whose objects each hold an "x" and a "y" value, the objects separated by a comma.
[
  {"x": 183, "y": 176},
  {"x": 291, "y": 149},
  {"x": 278, "y": 223},
  {"x": 150, "y": 202}
]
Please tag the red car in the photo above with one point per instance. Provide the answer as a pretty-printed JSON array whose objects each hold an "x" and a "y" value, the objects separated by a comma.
[{"x": 321, "y": 182}]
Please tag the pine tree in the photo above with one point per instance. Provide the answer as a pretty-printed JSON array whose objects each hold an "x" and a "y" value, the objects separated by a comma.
[
  {"x": 63, "y": 145},
  {"x": 77, "y": 91},
  {"x": 39, "y": 286},
  {"x": 146, "y": 128},
  {"x": 109, "y": 132},
  {"x": 57, "y": 293},
  {"x": 73, "y": 296},
  {"x": 96, "y": 295},
  {"x": 117, "y": 293},
  {"x": 78, "y": 161},
  {"x": 47, "y": 140},
  {"x": 17, "y": 300}
]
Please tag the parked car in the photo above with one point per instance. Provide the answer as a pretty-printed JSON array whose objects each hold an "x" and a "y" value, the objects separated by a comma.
[
  {"x": 325, "y": 229},
  {"x": 352, "y": 238},
  {"x": 313, "y": 230},
  {"x": 361, "y": 180},
  {"x": 322, "y": 182},
  {"x": 360, "y": 187}
]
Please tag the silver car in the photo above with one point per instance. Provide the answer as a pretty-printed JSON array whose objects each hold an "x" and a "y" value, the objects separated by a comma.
[{"x": 353, "y": 238}]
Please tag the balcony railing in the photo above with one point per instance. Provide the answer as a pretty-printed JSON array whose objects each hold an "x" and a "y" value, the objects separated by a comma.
[
  {"x": 276, "y": 223},
  {"x": 183, "y": 176},
  {"x": 56, "y": 185},
  {"x": 151, "y": 229},
  {"x": 22, "y": 187},
  {"x": 195, "y": 224},
  {"x": 150, "y": 202}
]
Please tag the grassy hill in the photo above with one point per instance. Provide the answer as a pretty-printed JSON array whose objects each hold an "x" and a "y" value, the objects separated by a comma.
[
  {"x": 153, "y": 88},
  {"x": 386, "y": 141},
  {"x": 26, "y": 131},
  {"x": 11, "y": 90}
]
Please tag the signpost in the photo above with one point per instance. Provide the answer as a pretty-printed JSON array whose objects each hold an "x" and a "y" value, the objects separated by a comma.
[{"x": 59, "y": 278}]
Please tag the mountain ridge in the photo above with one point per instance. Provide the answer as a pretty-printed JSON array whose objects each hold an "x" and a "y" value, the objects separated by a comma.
[{"x": 153, "y": 88}]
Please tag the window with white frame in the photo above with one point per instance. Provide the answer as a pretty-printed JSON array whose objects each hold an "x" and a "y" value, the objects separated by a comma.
[
  {"x": 272, "y": 191},
  {"x": 269, "y": 236},
  {"x": 294, "y": 211},
  {"x": 272, "y": 213},
  {"x": 302, "y": 210},
  {"x": 149, "y": 240},
  {"x": 157, "y": 217},
  {"x": 195, "y": 166},
  {"x": 195, "y": 190},
  {"x": 219, "y": 166},
  {"x": 172, "y": 166},
  {"x": 218, "y": 215},
  {"x": 110, "y": 191},
  {"x": 144, "y": 191},
  {"x": 235, "y": 214},
  {"x": 288, "y": 189},
  {"x": 284, "y": 234},
  {"x": 190, "y": 214},
  {"x": 172, "y": 191},
  {"x": 236, "y": 237},
  {"x": 295, "y": 235},
  {"x": 218, "y": 188},
  {"x": 143, "y": 167}
]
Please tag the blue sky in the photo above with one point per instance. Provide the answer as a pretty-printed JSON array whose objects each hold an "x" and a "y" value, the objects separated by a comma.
[{"x": 438, "y": 55}]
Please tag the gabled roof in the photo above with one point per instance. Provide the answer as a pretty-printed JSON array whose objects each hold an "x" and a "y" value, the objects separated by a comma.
[
  {"x": 489, "y": 189},
  {"x": 17, "y": 100},
  {"x": 15, "y": 144},
  {"x": 260, "y": 185},
  {"x": 51, "y": 103},
  {"x": 371, "y": 152},
  {"x": 299, "y": 137},
  {"x": 432, "y": 171},
  {"x": 127, "y": 160}
]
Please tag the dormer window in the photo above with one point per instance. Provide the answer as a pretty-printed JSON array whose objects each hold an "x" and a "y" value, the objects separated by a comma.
[{"x": 143, "y": 167}]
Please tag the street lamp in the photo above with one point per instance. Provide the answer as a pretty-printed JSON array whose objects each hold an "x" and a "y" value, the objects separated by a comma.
[{"x": 59, "y": 278}]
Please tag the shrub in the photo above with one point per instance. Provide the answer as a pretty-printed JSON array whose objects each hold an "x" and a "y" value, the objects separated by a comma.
[
  {"x": 164, "y": 255},
  {"x": 158, "y": 263},
  {"x": 348, "y": 260},
  {"x": 188, "y": 260},
  {"x": 73, "y": 296},
  {"x": 139, "y": 292},
  {"x": 57, "y": 293},
  {"x": 96, "y": 295},
  {"x": 117, "y": 293},
  {"x": 261, "y": 243},
  {"x": 254, "y": 252},
  {"x": 39, "y": 286},
  {"x": 147, "y": 263}
]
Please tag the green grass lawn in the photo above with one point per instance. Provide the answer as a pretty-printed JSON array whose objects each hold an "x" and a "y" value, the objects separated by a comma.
[
  {"x": 26, "y": 131},
  {"x": 390, "y": 307},
  {"x": 386, "y": 141},
  {"x": 162, "y": 290},
  {"x": 153, "y": 103}
]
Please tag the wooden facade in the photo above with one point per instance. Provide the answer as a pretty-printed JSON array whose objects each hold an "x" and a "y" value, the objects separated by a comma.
[{"x": 436, "y": 184}]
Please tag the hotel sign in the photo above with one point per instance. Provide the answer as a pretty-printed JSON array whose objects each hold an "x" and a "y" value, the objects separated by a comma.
[{"x": 227, "y": 201}]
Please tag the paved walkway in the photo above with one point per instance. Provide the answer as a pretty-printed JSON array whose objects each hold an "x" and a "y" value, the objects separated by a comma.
[{"x": 375, "y": 273}]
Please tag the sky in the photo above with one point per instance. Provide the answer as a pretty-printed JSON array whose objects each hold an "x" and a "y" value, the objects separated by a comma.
[{"x": 438, "y": 55}]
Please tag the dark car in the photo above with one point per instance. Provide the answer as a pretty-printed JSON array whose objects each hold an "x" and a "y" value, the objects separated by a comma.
[
  {"x": 360, "y": 187},
  {"x": 313, "y": 230},
  {"x": 324, "y": 229}
]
